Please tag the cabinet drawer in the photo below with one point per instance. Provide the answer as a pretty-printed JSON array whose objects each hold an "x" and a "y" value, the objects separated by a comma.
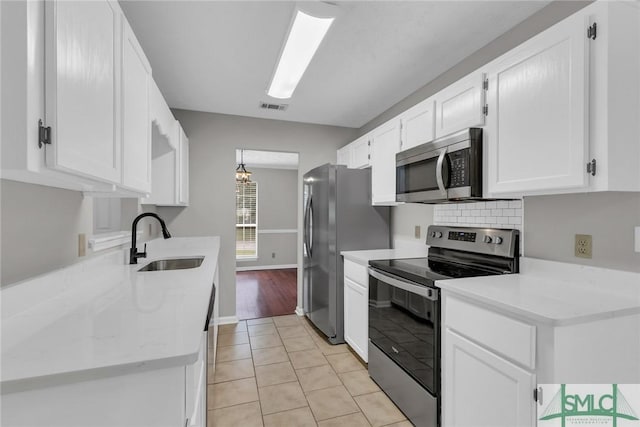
[
  {"x": 507, "y": 336},
  {"x": 356, "y": 272}
]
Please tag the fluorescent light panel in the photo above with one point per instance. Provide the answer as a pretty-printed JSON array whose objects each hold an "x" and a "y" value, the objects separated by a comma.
[{"x": 304, "y": 38}]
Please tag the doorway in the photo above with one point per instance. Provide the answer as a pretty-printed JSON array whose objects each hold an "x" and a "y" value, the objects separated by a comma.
[{"x": 266, "y": 233}]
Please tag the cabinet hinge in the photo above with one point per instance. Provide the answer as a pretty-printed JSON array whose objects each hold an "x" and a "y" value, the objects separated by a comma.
[
  {"x": 537, "y": 395},
  {"x": 485, "y": 84},
  {"x": 592, "y": 31},
  {"x": 485, "y": 110},
  {"x": 591, "y": 167},
  {"x": 369, "y": 143},
  {"x": 44, "y": 134},
  {"x": 368, "y": 156}
]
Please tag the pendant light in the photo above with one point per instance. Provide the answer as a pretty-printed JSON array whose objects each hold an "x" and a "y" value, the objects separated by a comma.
[{"x": 243, "y": 176}]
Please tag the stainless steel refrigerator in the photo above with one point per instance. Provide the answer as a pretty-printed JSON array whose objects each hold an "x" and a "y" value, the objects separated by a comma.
[{"x": 338, "y": 216}]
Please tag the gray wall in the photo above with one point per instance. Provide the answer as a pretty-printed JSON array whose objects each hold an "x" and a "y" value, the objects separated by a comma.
[
  {"x": 39, "y": 228},
  {"x": 277, "y": 210},
  {"x": 550, "y": 223},
  {"x": 404, "y": 218},
  {"x": 213, "y": 139}
]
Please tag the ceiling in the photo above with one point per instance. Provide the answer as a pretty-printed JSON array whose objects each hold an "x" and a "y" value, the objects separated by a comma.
[
  {"x": 219, "y": 56},
  {"x": 267, "y": 159}
]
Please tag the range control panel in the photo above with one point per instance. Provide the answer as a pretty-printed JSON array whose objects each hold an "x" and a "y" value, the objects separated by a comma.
[{"x": 493, "y": 241}]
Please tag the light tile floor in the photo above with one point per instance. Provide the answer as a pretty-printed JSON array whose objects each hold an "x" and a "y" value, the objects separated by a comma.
[{"x": 280, "y": 372}]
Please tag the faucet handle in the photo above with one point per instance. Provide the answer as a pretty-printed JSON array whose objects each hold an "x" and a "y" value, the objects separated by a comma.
[{"x": 144, "y": 251}]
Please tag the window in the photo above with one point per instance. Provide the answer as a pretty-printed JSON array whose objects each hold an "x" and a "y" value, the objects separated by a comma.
[{"x": 246, "y": 220}]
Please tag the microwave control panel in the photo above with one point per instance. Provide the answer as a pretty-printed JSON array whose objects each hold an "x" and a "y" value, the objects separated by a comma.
[{"x": 459, "y": 163}]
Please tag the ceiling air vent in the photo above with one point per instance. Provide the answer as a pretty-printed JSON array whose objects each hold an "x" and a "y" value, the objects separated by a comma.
[{"x": 275, "y": 107}]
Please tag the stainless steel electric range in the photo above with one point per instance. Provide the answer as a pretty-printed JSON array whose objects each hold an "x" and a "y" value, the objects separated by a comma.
[{"x": 405, "y": 311}]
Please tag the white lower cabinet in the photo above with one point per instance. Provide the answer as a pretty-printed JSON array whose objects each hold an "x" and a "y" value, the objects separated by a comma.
[
  {"x": 494, "y": 359},
  {"x": 488, "y": 367},
  {"x": 356, "y": 308},
  {"x": 356, "y": 303},
  {"x": 484, "y": 389},
  {"x": 168, "y": 397}
]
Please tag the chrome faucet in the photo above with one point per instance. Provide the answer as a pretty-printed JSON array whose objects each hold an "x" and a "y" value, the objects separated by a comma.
[{"x": 133, "y": 252}]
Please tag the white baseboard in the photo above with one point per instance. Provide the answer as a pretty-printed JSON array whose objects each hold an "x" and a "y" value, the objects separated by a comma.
[
  {"x": 299, "y": 311},
  {"x": 266, "y": 267},
  {"x": 227, "y": 320}
]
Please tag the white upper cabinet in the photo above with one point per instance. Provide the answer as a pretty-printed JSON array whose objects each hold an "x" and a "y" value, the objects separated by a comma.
[
  {"x": 417, "y": 124},
  {"x": 360, "y": 152},
  {"x": 385, "y": 143},
  {"x": 183, "y": 195},
  {"x": 614, "y": 96},
  {"x": 83, "y": 88},
  {"x": 461, "y": 105},
  {"x": 538, "y": 108},
  {"x": 343, "y": 156},
  {"x": 136, "y": 121},
  {"x": 170, "y": 169},
  {"x": 356, "y": 155}
]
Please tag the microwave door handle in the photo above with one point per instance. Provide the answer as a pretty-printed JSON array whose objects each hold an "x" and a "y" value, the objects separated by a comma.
[{"x": 439, "y": 176}]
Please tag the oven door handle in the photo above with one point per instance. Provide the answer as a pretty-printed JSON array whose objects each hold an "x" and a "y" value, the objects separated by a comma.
[
  {"x": 439, "y": 176},
  {"x": 397, "y": 282}
]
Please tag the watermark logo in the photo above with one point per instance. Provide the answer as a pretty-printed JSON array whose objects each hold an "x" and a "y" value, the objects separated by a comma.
[{"x": 593, "y": 405}]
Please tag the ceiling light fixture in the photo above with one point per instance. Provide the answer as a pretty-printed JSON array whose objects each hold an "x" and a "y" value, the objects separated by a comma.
[
  {"x": 305, "y": 35},
  {"x": 243, "y": 176}
]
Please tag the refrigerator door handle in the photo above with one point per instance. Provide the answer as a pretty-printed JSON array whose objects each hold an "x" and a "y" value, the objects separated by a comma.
[{"x": 307, "y": 228}]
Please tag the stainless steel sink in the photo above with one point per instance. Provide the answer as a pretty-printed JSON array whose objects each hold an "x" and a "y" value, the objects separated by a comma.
[{"x": 173, "y": 264}]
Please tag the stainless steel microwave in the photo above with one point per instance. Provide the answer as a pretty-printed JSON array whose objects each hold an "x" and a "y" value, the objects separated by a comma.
[{"x": 448, "y": 169}]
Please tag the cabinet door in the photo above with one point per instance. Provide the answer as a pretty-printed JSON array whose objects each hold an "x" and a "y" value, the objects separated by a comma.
[
  {"x": 136, "y": 123},
  {"x": 538, "y": 106},
  {"x": 385, "y": 143},
  {"x": 460, "y": 105},
  {"x": 360, "y": 153},
  {"x": 82, "y": 87},
  {"x": 482, "y": 389},
  {"x": 417, "y": 125},
  {"x": 343, "y": 156},
  {"x": 183, "y": 176},
  {"x": 356, "y": 317}
]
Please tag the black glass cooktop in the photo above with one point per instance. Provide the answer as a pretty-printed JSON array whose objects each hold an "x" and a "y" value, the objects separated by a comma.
[{"x": 426, "y": 271}]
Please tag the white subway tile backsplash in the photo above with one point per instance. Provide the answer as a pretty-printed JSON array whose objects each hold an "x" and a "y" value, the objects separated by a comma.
[{"x": 496, "y": 214}]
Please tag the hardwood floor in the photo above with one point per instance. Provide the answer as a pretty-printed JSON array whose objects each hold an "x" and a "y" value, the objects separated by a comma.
[{"x": 265, "y": 293}]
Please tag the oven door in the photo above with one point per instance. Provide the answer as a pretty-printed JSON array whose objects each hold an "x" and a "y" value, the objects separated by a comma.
[{"x": 404, "y": 324}]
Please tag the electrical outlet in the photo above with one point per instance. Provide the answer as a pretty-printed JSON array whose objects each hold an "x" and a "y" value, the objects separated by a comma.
[
  {"x": 82, "y": 244},
  {"x": 273, "y": 254},
  {"x": 583, "y": 246},
  {"x": 416, "y": 232}
]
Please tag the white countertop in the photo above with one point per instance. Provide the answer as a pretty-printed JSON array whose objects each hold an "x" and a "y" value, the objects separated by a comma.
[
  {"x": 102, "y": 317},
  {"x": 363, "y": 257},
  {"x": 555, "y": 293}
]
